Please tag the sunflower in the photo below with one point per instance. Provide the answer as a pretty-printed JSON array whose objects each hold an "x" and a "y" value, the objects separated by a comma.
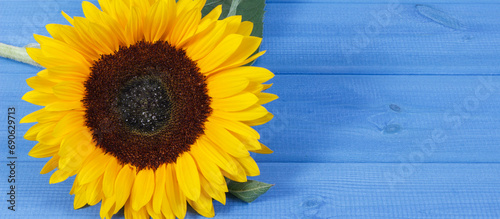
[{"x": 149, "y": 105}]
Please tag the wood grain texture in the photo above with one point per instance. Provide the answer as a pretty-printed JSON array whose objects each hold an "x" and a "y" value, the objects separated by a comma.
[
  {"x": 382, "y": 39},
  {"x": 378, "y": 117},
  {"x": 313, "y": 191},
  {"x": 362, "y": 118},
  {"x": 307, "y": 37}
]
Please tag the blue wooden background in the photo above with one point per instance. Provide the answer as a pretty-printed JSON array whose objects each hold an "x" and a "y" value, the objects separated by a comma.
[{"x": 387, "y": 109}]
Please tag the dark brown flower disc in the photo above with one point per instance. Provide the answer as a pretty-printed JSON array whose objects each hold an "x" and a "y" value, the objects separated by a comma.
[{"x": 146, "y": 103}]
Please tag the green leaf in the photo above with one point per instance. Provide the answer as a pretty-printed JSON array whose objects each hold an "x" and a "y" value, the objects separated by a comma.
[
  {"x": 247, "y": 191},
  {"x": 250, "y": 10}
]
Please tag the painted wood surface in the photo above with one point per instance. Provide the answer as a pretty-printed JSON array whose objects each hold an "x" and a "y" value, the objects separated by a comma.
[
  {"x": 313, "y": 190},
  {"x": 387, "y": 109}
]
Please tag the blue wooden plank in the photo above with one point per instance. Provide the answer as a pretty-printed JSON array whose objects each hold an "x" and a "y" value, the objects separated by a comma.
[
  {"x": 377, "y": 39},
  {"x": 323, "y": 120},
  {"x": 311, "y": 191},
  {"x": 384, "y": 119},
  {"x": 340, "y": 38},
  {"x": 360, "y": 118}
]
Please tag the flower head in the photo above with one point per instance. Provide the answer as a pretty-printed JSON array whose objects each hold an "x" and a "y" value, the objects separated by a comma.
[{"x": 149, "y": 105}]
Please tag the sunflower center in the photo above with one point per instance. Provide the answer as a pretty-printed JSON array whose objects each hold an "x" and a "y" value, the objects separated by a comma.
[{"x": 146, "y": 104}]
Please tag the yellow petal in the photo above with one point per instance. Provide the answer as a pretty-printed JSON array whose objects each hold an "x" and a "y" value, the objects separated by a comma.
[
  {"x": 107, "y": 206},
  {"x": 58, "y": 49},
  {"x": 72, "y": 121},
  {"x": 233, "y": 24},
  {"x": 93, "y": 14},
  {"x": 187, "y": 176},
  {"x": 35, "y": 54},
  {"x": 45, "y": 74},
  {"x": 45, "y": 136},
  {"x": 80, "y": 201},
  {"x": 251, "y": 168},
  {"x": 142, "y": 191},
  {"x": 142, "y": 7},
  {"x": 246, "y": 61},
  {"x": 77, "y": 143},
  {"x": 65, "y": 105},
  {"x": 205, "y": 26},
  {"x": 120, "y": 12},
  {"x": 221, "y": 53},
  {"x": 130, "y": 213},
  {"x": 266, "y": 98},
  {"x": 106, "y": 6},
  {"x": 211, "y": 152},
  {"x": 109, "y": 178},
  {"x": 239, "y": 176},
  {"x": 75, "y": 148},
  {"x": 94, "y": 191},
  {"x": 40, "y": 84},
  {"x": 264, "y": 150},
  {"x": 247, "y": 47},
  {"x": 160, "y": 177},
  {"x": 166, "y": 210},
  {"x": 123, "y": 185},
  {"x": 175, "y": 196},
  {"x": 259, "y": 121},
  {"x": 42, "y": 150},
  {"x": 266, "y": 86},
  {"x": 70, "y": 20},
  {"x": 32, "y": 117},
  {"x": 203, "y": 205},
  {"x": 222, "y": 85},
  {"x": 50, "y": 165},
  {"x": 74, "y": 188},
  {"x": 39, "y": 98},
  {"x": 254, "y": 74},
  {"x": 220, "y": 196},
  {"x": 60, "y": 175},
  {"x": 207, "y": 168},
  {"x": 227, "y": 66},
  {"x": 69, "y": 90},
  {"x": 253, "y": 113},
  {"x": 205, "y": 41},
  {"x": 152, "y": 213},
  {"x": 245, "y": 28},
  {"x": 50, "y": 117},
  {"x": 70, "y": 35},
  {"x": 234, "y": 103},
  {"x": 103, "y": 36},
  {"x": 225, "y": 140},
  {"x": 55, "y": 48},
  {"x": 95, "y": 153},
  {"x": 134, "y": 28},
  {"x": 93, "y": 168},
  {"x": 249, "y": 142},
  {"x": 254, "y": 88},
  {"x": 72, "y": 73},
  {"x": 33, "y": 131},
  {"x": 94, "y": 36},
  {"x": 235, "y": 126},
  {"x": 185, "y": 27},
  {"x": 214, "y": 14},
  {"x": 159, "y": 20}
]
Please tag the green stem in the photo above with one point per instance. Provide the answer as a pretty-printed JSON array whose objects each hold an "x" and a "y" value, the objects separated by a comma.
[
  {"x": 233, "y": 8},
  {"x": 16, "y": 53}
]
